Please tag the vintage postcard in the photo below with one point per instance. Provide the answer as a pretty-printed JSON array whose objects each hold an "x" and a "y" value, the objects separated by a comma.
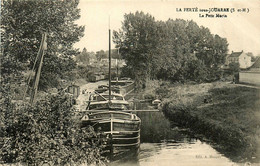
[{"x": 130, "y": 82}]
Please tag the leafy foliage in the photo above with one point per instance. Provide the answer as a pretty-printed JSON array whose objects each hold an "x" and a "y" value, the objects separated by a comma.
[
  {"x": 229, "y": 116},
  {"x": 234, "y": 67},
  {"x": 115, "y": 54},
  {"x": 101, "y": 55},
  {"x": 47, "y": 132},
  {"x": 176, "y": 50},
  {"x": 83, "y": 57},
  {"x": 104, "y": 54},
  {"x": 136, "y": 41},
  {"x": 23, "y": 23}
]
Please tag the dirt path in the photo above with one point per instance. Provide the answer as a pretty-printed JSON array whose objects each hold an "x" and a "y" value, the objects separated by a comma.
[
  {"x": 249, "y": 86},
  {"x": 89, "y": 88}
]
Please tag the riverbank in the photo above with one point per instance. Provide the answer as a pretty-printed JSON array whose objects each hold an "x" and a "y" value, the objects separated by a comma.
[{"x": 226, "y": 114}]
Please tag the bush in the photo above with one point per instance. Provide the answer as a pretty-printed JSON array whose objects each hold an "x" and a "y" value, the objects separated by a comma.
[
  {"x": 47, "y": 132},
  {"x": 231, "y": 118},
  {"x": 162, "y": 91},
  {"x": 149, "y": 96}
]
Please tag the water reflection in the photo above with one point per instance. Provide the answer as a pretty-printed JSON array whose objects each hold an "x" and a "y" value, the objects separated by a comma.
[
  {"x": 155, "y": 128},
  {"x": 176, "y": 153},
  {"x": 163, "y": 144},
  {"x": 181, "y": 153}
]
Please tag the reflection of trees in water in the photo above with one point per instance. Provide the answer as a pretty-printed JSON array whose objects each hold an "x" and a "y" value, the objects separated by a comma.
[{"x": 156, "y": 128}]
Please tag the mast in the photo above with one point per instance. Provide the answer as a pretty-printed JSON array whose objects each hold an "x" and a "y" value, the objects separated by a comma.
[
  {"x": 116, "y": 71},
  {"x": 109, "y": 64}
]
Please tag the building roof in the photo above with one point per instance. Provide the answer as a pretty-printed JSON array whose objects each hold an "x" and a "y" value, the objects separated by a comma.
[
  {"x": 256, "y": 64},
  {"x": 235, "y": 54}
]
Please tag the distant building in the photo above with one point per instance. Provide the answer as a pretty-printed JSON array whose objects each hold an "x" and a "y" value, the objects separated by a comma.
[
  {"x": 239, "y": 57},
  {"x": 251, "y": 75},
  {"x": 256, "y": 66},
  {"x": 114, "y": 62}
]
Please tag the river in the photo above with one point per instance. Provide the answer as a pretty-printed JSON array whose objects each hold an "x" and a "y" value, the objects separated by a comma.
[
  {"x": 163, "y": 144},
  {"x": 166, "y": 145}
]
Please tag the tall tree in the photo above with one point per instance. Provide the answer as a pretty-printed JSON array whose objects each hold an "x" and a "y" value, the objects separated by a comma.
[
  {"x": 101, "y": 55},
  {"x": 136, "y": 42},
  {"x": 23, "y": 23},
  {"x": 83, "y": 57},
  {"x": 178, "y": 50},
  {"x": 115, "y": 54},
  {"x": 175, "y": 49}
]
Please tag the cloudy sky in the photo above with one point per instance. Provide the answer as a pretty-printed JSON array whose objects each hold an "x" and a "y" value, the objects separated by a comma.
[{"x": 242, "y": 29}]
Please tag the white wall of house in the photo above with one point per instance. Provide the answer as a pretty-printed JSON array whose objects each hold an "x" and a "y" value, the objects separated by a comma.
[{"x": 244, "y": 61}]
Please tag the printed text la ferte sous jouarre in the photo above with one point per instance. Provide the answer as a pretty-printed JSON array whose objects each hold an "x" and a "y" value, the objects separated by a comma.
[{"x": 213, "y": 12}]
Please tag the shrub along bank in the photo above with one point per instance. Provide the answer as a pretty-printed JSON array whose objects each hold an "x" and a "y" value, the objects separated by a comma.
[
  {"x": 226, "y": 114},
  {"x": 48, "y": 132}
]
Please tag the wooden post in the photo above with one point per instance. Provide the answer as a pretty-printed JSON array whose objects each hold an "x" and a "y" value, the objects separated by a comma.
[{"x": 42, "y": 50}]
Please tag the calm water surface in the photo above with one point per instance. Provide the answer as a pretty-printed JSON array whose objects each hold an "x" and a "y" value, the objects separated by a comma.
[
  {"x": 186, "y": 153},
  {"x": 166, "y": 145},
  {"x": 163, "y": 144}
]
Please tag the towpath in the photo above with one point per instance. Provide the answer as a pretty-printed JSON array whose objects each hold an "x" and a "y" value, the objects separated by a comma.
[
  {"x": 249, "y": 86},
  {"x": 88, "y": 88}
]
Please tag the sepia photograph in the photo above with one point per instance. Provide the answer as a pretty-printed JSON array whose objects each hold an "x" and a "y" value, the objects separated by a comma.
[{"x": 130, "y": 83}]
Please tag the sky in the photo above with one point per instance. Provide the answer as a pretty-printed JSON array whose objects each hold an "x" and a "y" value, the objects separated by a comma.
[{"x": 242, "y": 29}]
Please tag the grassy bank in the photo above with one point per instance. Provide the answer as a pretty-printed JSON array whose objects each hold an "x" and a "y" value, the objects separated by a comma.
[{"x": 226, "y": 114}]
